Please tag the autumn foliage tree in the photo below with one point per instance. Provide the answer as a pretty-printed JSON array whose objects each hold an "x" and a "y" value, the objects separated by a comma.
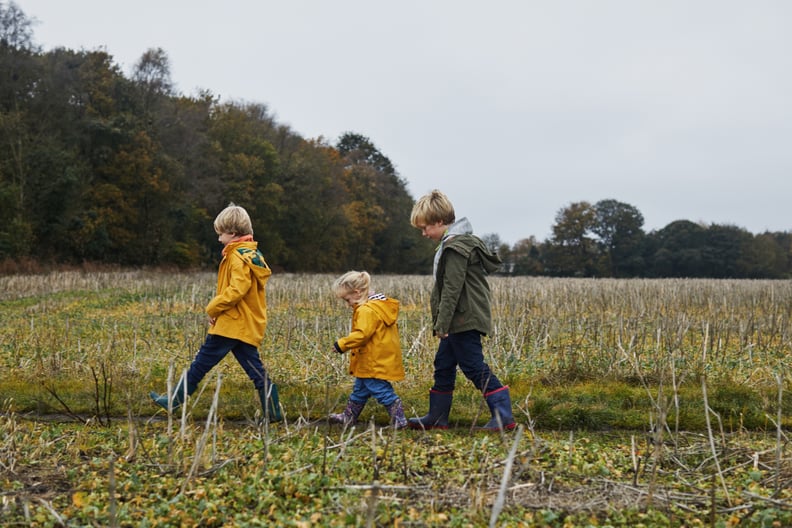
[
  {"x": 103, "y": 168},
  {"x": 99, "y": 167}
]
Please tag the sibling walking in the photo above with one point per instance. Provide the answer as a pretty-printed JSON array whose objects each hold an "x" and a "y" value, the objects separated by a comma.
[
  {"x": 375, "y": 357},
  {"x": 461, "y": 313},
  {"x": 237, "y": 314}
]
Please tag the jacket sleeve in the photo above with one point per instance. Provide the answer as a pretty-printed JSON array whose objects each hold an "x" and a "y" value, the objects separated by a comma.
[
  {"x": 364, "y": 324},
  {"x": 238, "y": 286},
  {"x": 453, "y": 280}
]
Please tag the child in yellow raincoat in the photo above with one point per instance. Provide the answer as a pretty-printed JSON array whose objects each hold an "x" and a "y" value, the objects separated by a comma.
[
  {"x": 237, "y": 314},
  {"x": 375, "y": 357}
]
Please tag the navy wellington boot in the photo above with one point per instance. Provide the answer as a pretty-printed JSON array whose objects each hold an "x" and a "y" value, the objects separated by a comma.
[
  {"x": 499, "y": 403},
  {"x": 439, "y": 409}
]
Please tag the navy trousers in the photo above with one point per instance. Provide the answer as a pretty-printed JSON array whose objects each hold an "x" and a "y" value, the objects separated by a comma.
[
  {"x": 463, "y": 350},
  {"x": 215, "y": 348}
]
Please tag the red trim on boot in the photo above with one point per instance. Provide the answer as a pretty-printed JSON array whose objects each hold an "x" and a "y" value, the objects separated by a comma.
[{"x": 490, "y": 393}]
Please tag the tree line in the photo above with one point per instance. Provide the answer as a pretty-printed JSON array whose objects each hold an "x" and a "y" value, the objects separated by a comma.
[
  {"x": 607, "y": 239},
  {"x": 103, "y": 168},
  {"x": 98, "y": 167}
]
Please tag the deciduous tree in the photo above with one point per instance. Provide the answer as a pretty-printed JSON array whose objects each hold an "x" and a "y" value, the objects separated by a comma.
[
  {"x": 619, "y": 227},
  {"x": 572, "y": 251}
]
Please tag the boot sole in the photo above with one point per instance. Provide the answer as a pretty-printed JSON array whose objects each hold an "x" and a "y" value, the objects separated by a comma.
[
  {"x": 418, "y": 427},
  {"x": 508, "y": 427}
]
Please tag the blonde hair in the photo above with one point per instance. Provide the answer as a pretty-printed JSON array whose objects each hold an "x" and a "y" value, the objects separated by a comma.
[
  {"x": 432, "y": 208},
  {"x": 233, "y": 219},
  {"x": 353, "y": 281}
]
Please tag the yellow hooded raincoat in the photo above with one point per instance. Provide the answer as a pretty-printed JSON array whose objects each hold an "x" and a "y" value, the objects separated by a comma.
[
  {"x": 240, "y": 304},
  {"x": 374, "y": 340}
]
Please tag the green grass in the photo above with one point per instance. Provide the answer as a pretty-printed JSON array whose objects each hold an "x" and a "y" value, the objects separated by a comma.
[
  {"x": 302, "y": 475},
  {"x": 608, "y": 381}
]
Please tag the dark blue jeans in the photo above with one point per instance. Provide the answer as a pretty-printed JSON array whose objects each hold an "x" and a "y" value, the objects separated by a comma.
[
  {"x": 215, "y": 348},
  {"x": 463, "y": 350}
]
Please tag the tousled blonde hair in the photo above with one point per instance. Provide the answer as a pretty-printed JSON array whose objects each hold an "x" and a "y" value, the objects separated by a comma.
[
  {"x": 432, "y": 208},
  {"x": 233, "y": 219},
  {"x": 353, "y": 281}
]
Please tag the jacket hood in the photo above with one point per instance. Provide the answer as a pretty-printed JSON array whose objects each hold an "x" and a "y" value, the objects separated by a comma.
[
  {"x": 387, "y": 309},
  {"x": 460, "y": 227},
  {"x": 460, "y": 238},
  {"x": 249, "y": 253},
  {"x": 460, "y": 235}
]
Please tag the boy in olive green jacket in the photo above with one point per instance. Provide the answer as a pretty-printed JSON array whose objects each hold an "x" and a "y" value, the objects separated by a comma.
[{"x": 461, "y": 314}]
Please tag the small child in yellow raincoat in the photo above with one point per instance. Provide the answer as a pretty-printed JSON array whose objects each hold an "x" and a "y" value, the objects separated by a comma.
[{"x": 375, "y": 357}]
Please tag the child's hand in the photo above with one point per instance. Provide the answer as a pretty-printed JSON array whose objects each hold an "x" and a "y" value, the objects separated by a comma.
[
  {"x": 337, "y": 349},
  {"x": 212, "y": 321}
]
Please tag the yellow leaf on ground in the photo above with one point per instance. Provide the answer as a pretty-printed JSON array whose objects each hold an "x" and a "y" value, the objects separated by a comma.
[{"x": 78, "y": 499}]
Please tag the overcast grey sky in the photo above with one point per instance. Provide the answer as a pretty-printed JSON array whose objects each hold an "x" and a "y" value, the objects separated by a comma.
[{"x": 514, "y": 108}]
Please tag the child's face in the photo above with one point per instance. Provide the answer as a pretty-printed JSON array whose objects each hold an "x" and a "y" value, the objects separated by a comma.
[
  {"x": 433, "y": 231},
  {"x": 352, "y": 298},
  {"x": 226, "y": 238}
]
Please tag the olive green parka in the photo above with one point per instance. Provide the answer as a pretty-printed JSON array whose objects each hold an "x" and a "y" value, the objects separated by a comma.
[{"x": 460, "y": 299}]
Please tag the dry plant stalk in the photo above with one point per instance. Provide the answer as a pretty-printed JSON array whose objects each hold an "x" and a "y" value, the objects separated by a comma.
[
  {"x": 112, "y": 493},
  {"x": 201, "y": 445},
  {"x": 779, "y": 434},
  {"x": 710, "y": 435},
  {"x": 373, "y": 498},
  {"x": 500, "y": 501},
  {"x": 169, "y": 388},
  {"x": 132, "y": 433}
]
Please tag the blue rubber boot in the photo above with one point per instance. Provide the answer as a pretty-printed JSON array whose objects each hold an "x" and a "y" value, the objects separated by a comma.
[
  {"x": 439, "y": 409},
  {"x": 499, "y": 403}
]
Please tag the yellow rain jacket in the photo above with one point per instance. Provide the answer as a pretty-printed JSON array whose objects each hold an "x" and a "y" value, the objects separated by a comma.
[
  {"x": 375, "y": 350},
  {"x": 240, "y": 304}
]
